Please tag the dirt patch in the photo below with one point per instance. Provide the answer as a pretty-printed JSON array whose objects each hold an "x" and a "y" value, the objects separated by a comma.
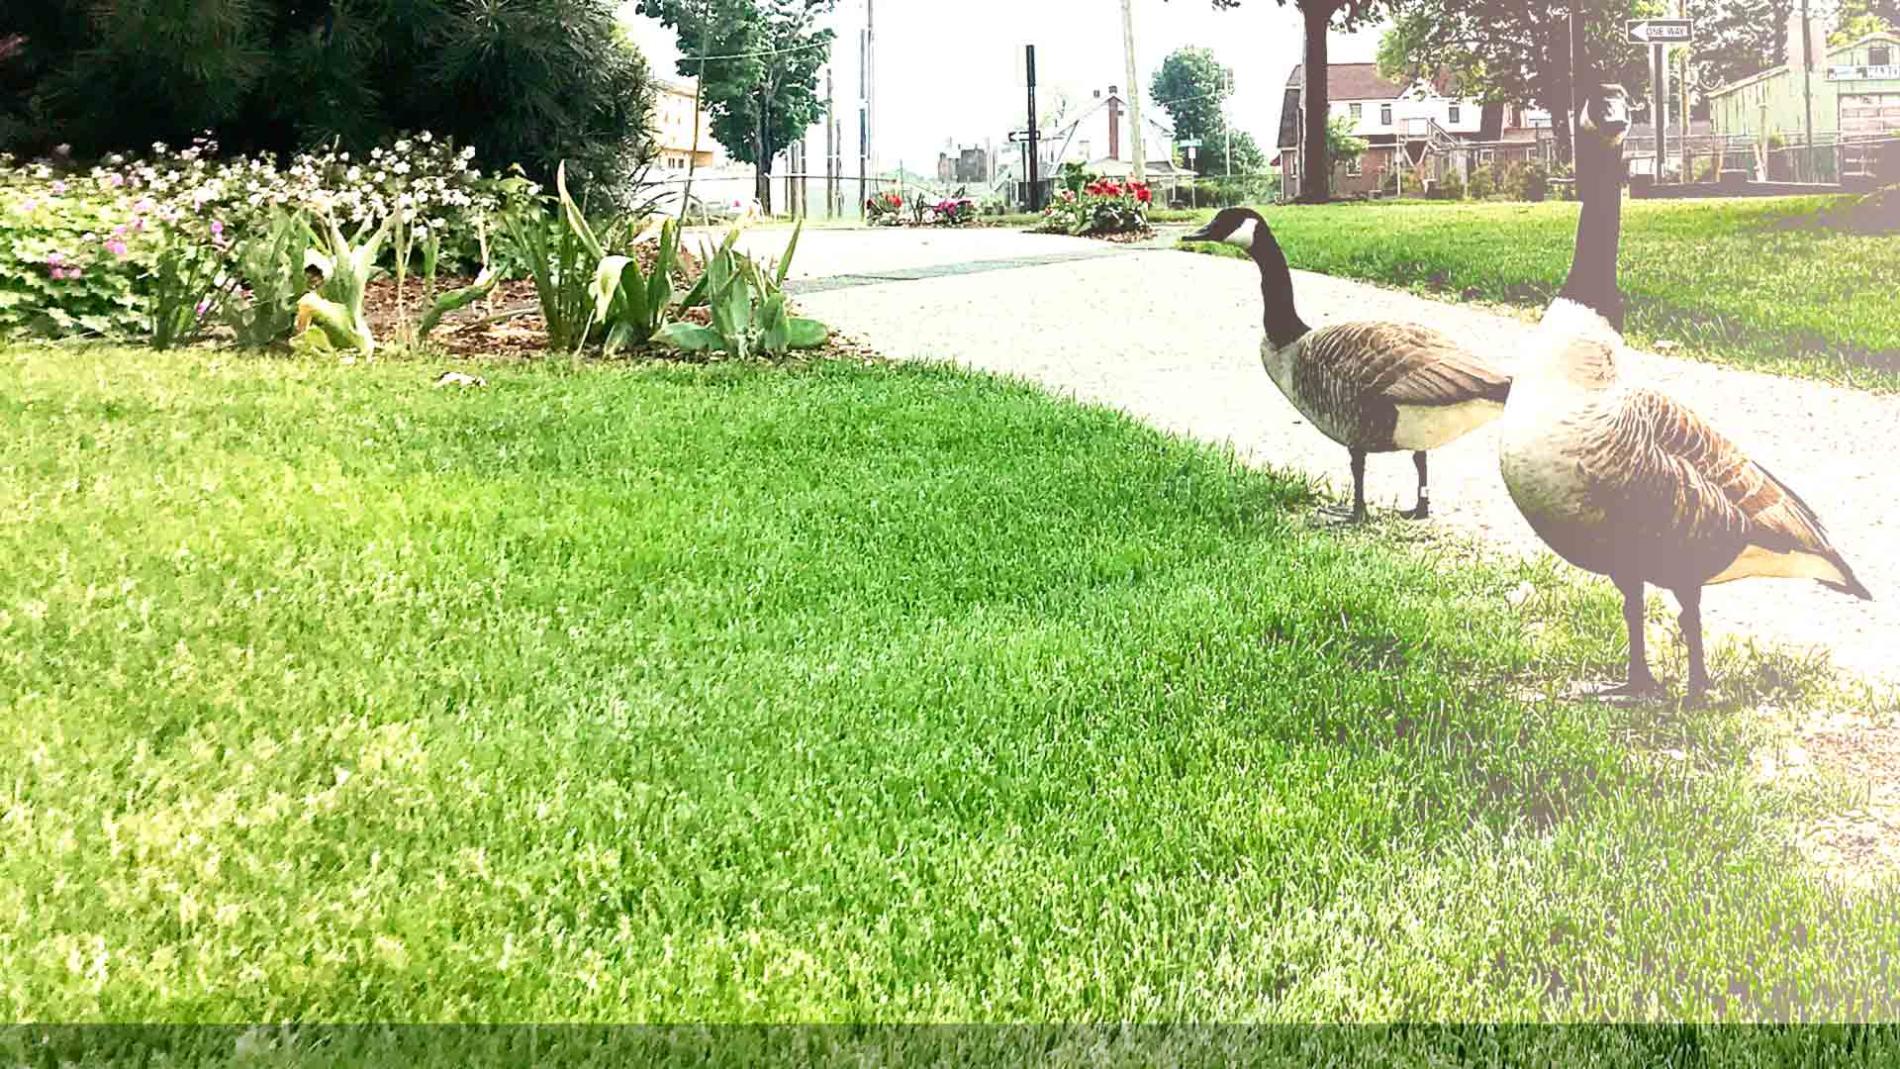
[{"x": 506, "y": 323}]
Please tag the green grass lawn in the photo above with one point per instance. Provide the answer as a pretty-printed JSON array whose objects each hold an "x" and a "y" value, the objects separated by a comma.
[
  {"x": 1753, "y": 282},
  {"x": 834, "y": 692}
]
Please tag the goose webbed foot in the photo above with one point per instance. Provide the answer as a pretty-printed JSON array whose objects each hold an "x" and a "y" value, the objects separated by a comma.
[
  {"x": 1423, "y": 511},
  {"x": 1340, "y": 515}
]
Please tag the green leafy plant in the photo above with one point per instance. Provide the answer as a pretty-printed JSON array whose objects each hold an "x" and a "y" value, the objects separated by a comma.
[
  {"x": 188, "y": 286},
  {"x": 347, "y": 264},
  {"x": 269, "y": 267},
  {"x": 747, "y": 310},
  {"x": 559, "y": 262}
]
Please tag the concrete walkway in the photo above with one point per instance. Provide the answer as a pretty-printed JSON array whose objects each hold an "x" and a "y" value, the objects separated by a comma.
[{"x": 1173, "y": 339}]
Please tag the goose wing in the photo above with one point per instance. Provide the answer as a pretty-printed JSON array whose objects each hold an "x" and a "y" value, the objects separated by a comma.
[
  {"x": 1405, "y": 364},
  {"x": 1666, "y": 473}
]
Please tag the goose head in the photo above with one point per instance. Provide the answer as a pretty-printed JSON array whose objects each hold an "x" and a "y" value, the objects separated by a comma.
[
  {"x": 1239, "y": 227},
  {"x": 1603, "y": 116}
]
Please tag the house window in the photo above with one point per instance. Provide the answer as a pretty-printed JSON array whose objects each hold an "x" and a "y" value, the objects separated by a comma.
[
  {"x": 1353, "y": 167},
  {"x": 1879, "y": 56},
  {"x": 1385, "y": 115},
  {"x": 1455, "y": 115},
  {"x": 1358, "y": 111}
]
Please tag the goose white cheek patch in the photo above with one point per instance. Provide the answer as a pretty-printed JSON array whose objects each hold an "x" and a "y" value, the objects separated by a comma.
[{"x": 1243, "y": 235}]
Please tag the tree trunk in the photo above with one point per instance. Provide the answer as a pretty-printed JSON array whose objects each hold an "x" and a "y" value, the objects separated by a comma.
[
  {"x": 1316, "y": 167},
  {"x": 762, "y": 156},
  {"x": 1562, "y": 108}
]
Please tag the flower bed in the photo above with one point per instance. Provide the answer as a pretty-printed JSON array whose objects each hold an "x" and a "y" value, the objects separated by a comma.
[
  {"x": 1102, "y": 208},
  {"x": 891, "y": 209},
  {"x": 106, "y": 251}
]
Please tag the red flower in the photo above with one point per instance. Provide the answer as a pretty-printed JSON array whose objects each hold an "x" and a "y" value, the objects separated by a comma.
[{"x": 1142, "y": 195}]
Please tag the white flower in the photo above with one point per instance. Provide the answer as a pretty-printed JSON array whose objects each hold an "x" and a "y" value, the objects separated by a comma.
[
  {"x": 425, "y": 137},
  {"x": 401, "y": 146}
]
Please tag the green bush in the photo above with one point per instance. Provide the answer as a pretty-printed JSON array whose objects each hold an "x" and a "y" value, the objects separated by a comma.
[
  {"x": 1483, "y": 184},
  {"x": 525, "y": 81}
]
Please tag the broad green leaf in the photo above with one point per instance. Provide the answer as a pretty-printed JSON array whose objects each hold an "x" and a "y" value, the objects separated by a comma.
[
  {"x": 806, "y": 333},
  {"x": 689, "y": 336},
  {"x": 785, "y": 262},
  {"x": 576, "y": 220},
  {"x": 606, "y": 284}
]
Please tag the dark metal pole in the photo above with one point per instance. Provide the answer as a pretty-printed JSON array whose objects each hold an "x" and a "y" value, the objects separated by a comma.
[
  {"x": 1659, "y": 105},
  {"x": 1035, "y": 163}
]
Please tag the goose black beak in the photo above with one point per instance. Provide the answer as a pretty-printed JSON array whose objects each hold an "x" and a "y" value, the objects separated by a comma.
[{"x": 1205, "y": 233}]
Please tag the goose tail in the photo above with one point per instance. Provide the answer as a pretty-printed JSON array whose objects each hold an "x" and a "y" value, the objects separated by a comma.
[{"x": 1849, "y": 584}]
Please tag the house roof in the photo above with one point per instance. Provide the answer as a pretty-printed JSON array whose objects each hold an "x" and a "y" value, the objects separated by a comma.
[{"x": 1361, "y": 81}]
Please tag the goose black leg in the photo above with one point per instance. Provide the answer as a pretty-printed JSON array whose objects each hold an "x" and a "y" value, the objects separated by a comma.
[
  {"x": 1641, "y": 683},
  {"x": 1358, "y": 485},
  {"x": 1691, "y": 601},
  {"x": 1424, "y": 509}
]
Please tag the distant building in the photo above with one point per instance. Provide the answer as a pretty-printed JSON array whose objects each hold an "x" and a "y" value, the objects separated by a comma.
[
  {"x": 673, "y": 132},
  {"x": 1854, "y": 93},
  {"x": 1101, "y": 139},
  {"x": 966, "y": 167},
  {"x": 1401, "y": 124}
]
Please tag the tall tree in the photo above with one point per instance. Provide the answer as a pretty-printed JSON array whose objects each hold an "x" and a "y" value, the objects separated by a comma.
[
  {"x": 1192, "y": 86},
  {"x": 758, "y": 63},
  {"x": 1320, "y": 17}
]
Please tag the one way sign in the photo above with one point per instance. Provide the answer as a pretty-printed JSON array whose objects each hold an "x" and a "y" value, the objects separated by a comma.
[{"x": 1661, "y": 31}]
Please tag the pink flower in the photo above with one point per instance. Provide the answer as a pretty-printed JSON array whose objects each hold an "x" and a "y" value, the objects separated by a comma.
[
  {"x": 138, "y": 225},
  {"x": 59, "y": 188},
  {"x": 204, "y": 307},
  {"x": 115, "y": 181},
  {"x": 144, "y": 206},
  {"x": 55, "y": 258},
  {"x": 116, "y": 247}
]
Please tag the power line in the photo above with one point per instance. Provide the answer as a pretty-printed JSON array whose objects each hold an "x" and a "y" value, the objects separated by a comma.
[{"x": 760, "y": 55}]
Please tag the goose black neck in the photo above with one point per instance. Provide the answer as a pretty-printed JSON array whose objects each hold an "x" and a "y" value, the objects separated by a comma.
[
  {"x": 1284, "y": 326},
  {"x": 1592, "y": 280}
]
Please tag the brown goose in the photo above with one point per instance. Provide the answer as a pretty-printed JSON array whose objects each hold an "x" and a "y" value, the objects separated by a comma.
[
  {"x": 1625, "y": 481},
  {"x": 1372, "y": 387}
]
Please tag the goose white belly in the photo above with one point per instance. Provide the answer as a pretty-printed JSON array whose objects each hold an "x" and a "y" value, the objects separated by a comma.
[
  {"x": 1540, "y": 447},
  {"x": 1426, "y": 427}
]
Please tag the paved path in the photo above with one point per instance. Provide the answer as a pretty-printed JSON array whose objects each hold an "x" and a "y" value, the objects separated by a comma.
[{"x": 1172, "y": 338}]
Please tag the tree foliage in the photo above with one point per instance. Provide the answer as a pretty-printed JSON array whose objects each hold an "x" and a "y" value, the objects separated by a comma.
[
  {"x": 1191, "y": 86},
  {"x": 1507, "y": 51},
  {"x": 760, "y": 80},
  {"x": 524, "y": 81},
  {"x": 1737, "y": 38}
]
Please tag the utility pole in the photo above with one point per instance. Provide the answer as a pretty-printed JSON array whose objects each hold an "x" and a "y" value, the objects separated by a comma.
[
  {"x": 831, "y": 145},
  {"x": 1807, "y": 87},
  {"x": 1134, "y": 90},
  {"x": 867, "y": 81}
]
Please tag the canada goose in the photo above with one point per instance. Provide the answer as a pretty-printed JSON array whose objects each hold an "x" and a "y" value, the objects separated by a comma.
[
  {"x": 1373, "y": 387},
  {"x": 1624, "y": 481}
]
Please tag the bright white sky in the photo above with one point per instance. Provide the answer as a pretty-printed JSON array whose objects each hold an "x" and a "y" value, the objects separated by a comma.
[{"x": 953, "y": 71}]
